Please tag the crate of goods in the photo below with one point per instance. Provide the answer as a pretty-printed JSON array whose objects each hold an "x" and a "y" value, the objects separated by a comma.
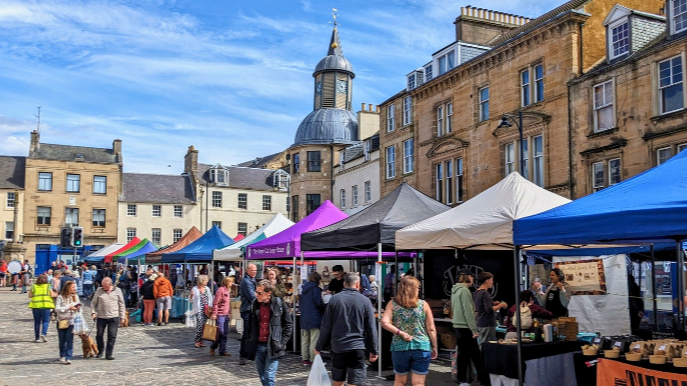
[
  {"x": 570, "y": 331},
  {"x": 448, "y": 340}
]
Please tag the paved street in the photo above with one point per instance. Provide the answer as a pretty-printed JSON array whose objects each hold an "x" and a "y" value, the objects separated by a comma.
[{"x": 144, "y": 356}]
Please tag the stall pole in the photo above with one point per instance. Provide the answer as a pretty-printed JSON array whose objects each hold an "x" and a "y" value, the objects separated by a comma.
[
  {"x": 211, "y": 272},
  {"x": 680, "y": 285},
  {"x": 518, "y": 327},
  {"x": 293, "y": 300},
  {"x": 379, "y": 316},
  {"x": 392, "y": 290},
  {"x": 422, "y": 282},
  {"x": 653, "y": 288}
]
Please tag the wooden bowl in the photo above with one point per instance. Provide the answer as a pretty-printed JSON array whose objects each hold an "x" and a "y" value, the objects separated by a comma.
[
  {"x": 657, "y": 359},
  {"x": 680, "y": 362},
  {"x": 612, "y": 354},
  {"x": 633, "y": 356},
  {"x": 592, "y": 351}
]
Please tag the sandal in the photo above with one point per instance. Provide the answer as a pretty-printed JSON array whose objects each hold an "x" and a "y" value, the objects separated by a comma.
[
  {"x": 198, "y": 345},
  {"x": 202, "y": 344}
]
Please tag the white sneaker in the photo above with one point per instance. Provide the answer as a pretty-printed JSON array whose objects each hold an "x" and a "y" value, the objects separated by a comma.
[
  {"x": 44, "y": 339},
  {"x": 63, "y": 360},
  {"x": 67, "y": 362},
  {"x": 464, "y": 384},
  {"x": 38, "y": 341}
]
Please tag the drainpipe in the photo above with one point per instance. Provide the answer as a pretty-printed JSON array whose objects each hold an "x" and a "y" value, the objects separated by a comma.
[
  {"x": 570, "y": 147},
  {"x": 331, "y": 172}
]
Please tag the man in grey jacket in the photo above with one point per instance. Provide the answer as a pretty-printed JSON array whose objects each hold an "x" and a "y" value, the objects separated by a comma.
[
  {"x": 349, "y": 323},
  {"x": 109, "y": 311}
]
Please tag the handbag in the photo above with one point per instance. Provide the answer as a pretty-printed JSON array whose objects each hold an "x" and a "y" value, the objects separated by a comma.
[
  {"x": 208, "y": 311},
  {"x": 210, "y": 331},
  {"x": 63, "y": 324}
]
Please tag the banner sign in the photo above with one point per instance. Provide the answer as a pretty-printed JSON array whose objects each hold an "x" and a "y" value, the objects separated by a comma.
[
  {"x": 585, "y": 277},
  {"x": 613, "y": 373}
]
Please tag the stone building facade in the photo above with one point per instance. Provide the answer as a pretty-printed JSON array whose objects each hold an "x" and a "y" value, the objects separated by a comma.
[
  {"x": 69, "y": 186},
  {"x": 458, "y": 146},
  {"x": 628, "y": 113},
  {"x": 356, "y": 177}
]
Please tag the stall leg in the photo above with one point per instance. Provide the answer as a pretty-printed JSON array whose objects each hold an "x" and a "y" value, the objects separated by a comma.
[
  {"x": 680, "y": 257},
  {"x": 379, "y": 318},
  {"x": 518, "y": 327},
  {"x": 653, "y": 288}
]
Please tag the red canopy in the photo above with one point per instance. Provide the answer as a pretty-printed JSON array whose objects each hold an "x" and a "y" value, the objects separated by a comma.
[
  {"x": 239, "y": 237},
  {"x": 132, "y": 243}
]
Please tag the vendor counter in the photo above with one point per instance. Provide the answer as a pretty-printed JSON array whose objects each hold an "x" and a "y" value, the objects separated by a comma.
[
  {"x": 545, "y": 364},
  {"x": 592, "y": 370}
]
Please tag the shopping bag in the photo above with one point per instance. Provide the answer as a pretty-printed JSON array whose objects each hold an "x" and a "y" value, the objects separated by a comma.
[
  {"x": 190, "y": 319},
  {"x": 210, "y": 331},
  {"x": 80, "y": 326},
  {"x": 318, "y": 374}
]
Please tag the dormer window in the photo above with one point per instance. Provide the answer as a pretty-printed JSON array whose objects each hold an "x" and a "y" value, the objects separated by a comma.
[
  {"x": 281, "y": 180},
  {"x": 679, "y": 15},
  {"x": 620, "y": 39},
  {"x": 429, "y": 73},
  {"x": 366, "y": 150},
  {"x": 219, "y": 175},
  {"x": 415, "y": 79}
]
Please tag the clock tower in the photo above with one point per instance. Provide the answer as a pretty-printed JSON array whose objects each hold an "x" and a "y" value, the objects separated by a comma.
[{"x": 333, "y": 78}]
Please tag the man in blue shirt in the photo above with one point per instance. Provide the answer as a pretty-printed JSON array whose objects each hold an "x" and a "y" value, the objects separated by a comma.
[{"x": 247, "y": 293}]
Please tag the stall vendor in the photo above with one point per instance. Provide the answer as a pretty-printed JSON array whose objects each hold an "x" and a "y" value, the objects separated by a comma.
[{"x": 557, "y": 296}]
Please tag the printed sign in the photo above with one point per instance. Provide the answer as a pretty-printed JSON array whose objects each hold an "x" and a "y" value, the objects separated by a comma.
[
  {"x": 585, "y": 277},
  {"x": 614, "y": 373}
]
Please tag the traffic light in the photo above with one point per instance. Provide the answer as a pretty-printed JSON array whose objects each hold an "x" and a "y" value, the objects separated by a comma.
[
  {"x": 66, "y": 240},
  {"x": 78, "y": 236}
]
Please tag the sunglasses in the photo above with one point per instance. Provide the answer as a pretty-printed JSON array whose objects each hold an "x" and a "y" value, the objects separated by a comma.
[{"x": 259, "y": 293}]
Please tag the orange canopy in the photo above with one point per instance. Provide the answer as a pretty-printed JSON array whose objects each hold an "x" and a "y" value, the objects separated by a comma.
[{"x": 156, "y": 257}]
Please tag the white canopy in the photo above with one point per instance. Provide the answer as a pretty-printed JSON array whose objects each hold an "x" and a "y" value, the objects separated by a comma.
[
  {"x": 483, "y": 222},
  {"x": 106, "y": 250},
  {"x": 233, "y": 252}
]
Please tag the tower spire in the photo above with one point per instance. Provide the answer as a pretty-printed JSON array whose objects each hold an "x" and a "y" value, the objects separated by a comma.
[{"x": 335, "y": 43}]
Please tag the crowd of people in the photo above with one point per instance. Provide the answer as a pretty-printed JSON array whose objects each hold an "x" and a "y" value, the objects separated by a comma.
[{"x": 339, "y": 317}]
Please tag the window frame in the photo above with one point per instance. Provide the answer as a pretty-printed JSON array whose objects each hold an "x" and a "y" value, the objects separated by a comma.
[
  {"x": 178, "y": 211},
  {"x": 310, "y": 205},
  {"x": 42, "y": 181},
  {"x": 407, "y": 110},
  {"x": 242, "y": 204},
  {"x": 429, "y": 72},
  {"x": 538, "y": 164},
  {"x": 130, "y": 234},
  {"x": 439, "y": 182},
  {"x": 674, "y": 16},
  {"x": 296, "y": 163},
  {"x": 610, "y": 172},
  {"x": 177, "y": 234},
  {"x": 658, "y": 154},
  {"x": 460, "y": 179},
  {"x": 525, "y": 88},
  {"x": 11, "y": 197},
  {"x": 131, "y": 210},
  {"x": 70, "y": 213},
  {"x": 216, "y": 199},
  {"x": 156, "y": 240},
  {"x": 390, "y": 153},
  {"x": 483, "y": 104},
  {"x": 9, "y": 230},
  {"x": 266, "y": 202},
  {"x": 368, "y": 191},
  {"x": 71, "y": 182},
  {"x": 41, "y": 219},
  {"x": 509, "y": 157},
  {"x": 449, "y": 117},
  {"x": 354, "y": 195},
  {"x": 97, "y": 221},
  {"x": 661, "y": 89},
  {"x": 538, "y": 83},
  {"x": 623, "y": 36},
  {"x": 242, "y": 228},
  {"x": 448, "y": 165},
  {"x": 408, "y": 156},
  {"x": 97, "y": 183},
  {"x": 156, "y": 211},
  {"x": 390, "y": 118},
  {"x": 598, "y": 184},
  {"x": 440, "y": 120},
  {"x": 342, "y": 198},
  {"x": 217, "y": 223},
  {"x": 609, "y": 84},
  {"x": 314, "y": 163}
]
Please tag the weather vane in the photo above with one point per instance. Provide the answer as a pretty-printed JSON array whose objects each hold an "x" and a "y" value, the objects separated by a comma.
[{"x": 335, "y": 14}]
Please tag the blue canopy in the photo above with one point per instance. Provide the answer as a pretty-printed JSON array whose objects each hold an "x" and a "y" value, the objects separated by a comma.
[
  {"x": 201, "y": 249},
  {"x": 648, "y": 208}
]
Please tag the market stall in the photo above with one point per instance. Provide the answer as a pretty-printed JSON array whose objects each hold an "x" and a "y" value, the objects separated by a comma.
[
  {"x": 109, "y": 257},
  {"x": 235, "y": 251},
  {"x": 484, "y": 222},
  {"x": 192, "y": 235},
  {"x": 133, "y": 254},
  {"x": 99, "y": 255},
  {"x": 374, "y": 228}
]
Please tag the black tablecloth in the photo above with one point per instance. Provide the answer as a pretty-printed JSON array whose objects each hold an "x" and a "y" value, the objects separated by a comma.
[{"x": 502, "y": 359}]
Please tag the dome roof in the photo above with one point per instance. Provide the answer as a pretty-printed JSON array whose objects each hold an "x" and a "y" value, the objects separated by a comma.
[
  {"x": 327, "y": 126},
  {"x": 334, "y": 63}
]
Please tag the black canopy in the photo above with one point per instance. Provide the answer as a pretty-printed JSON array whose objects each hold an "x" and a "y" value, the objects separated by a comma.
[{"x": 375, "y": 224}]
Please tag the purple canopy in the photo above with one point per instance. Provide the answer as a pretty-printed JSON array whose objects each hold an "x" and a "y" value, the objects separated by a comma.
[{"x": 287, "y": 243}]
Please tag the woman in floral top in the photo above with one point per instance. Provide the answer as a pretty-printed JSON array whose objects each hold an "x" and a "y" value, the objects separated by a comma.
[{"x": 415, "y": 338}]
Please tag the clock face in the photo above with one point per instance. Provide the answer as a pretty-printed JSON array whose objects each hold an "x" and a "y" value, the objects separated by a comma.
[
  {"x": 318, "y": 88},
  {"x": 341, "y": 86}
]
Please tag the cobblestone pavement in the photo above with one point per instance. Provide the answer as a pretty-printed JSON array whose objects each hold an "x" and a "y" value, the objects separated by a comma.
[{"x": 143, "y": 356}]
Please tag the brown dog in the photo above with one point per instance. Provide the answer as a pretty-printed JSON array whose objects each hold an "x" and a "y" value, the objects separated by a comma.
[
  {"x": 126, "y": 320},
  {"x": 90, "y": 349}
]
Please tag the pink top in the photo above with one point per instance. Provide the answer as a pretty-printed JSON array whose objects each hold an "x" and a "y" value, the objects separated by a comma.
[{"x": 222, "y": 303}]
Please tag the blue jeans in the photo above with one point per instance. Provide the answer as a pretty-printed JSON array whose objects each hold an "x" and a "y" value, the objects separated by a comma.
[
  {"x": 267, "y": 368},
  {"x": 41, "y": 317},
  {"x": 66, "y": 342},
  {"x": 87, "y": 289}
]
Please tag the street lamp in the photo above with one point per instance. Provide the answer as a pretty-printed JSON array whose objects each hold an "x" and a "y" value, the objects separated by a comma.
[{"x": 505, "y": 124}]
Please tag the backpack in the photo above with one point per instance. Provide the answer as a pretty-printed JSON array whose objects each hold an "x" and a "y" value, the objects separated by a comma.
[{"x": 526, "y": 317}]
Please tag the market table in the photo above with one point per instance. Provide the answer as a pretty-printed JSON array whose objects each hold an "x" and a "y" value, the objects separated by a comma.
[
  {"x": 179, "y": 307},
  {"x": 545, "y": 364}
]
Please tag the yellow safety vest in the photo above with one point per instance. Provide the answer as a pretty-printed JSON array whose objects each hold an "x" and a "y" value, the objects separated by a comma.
[{"x": 41, "y": 296}]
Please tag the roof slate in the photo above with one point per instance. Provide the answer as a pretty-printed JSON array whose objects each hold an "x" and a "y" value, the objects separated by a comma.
[
  {"x": 12, "y": 172},
  {"x": 258, "y": 162},
  {"x": 70, "y": 153},
  {"x": 156, "y": 188},
  {"x": 242, "y": 178}
]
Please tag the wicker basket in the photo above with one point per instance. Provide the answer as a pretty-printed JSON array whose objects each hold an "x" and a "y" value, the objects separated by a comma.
[
  {"x": 592, "y": 351},
  {"x": 633, "y": 356},
  {"x": 570, "y": 330},
  {"x": 680, "y": 362},
  {"x": 612, "y": 354},
  {"x": 657, "y": 359}
]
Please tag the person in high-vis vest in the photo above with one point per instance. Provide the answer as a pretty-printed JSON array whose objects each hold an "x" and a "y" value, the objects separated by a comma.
[{"x": 41, "y": 304}]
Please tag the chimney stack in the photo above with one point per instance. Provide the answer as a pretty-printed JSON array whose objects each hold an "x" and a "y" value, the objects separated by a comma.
[
  {"x": 191, "y": 160},
  {"x": 35, "y": 143},
  {"x": 481, "y": 26}
]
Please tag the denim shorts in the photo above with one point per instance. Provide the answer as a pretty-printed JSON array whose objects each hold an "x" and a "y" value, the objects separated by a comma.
[{"x": 416, "y": 361}]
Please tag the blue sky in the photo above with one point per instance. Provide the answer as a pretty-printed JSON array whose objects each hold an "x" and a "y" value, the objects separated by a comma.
[{"x": 231, "y": 77}]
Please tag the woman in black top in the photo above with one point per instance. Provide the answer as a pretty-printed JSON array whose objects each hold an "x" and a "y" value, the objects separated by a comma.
[
  {"x": 557, "y": 296},
  {"x": 486, "y": 308},
  {"x": 148, "y": 300}
]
